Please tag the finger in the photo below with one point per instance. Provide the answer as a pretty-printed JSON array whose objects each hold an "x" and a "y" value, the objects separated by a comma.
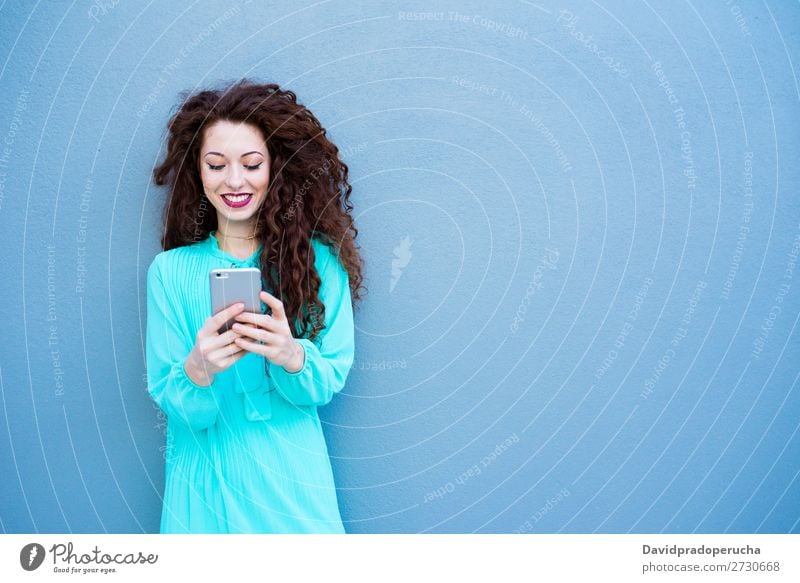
[
  {"x": 230, "y": 361},
  {"x": 217, "y": 320},
  {"x": 260, "y": 320},
  {"x": 258, "y": 334},
  {"x": 224, "y": 339},
  {"x": 252, "y": 346},
  {"x": 250, "y": 331},
  {"x": 224, "y": 353},
  {"x": 275, "y": 305}
]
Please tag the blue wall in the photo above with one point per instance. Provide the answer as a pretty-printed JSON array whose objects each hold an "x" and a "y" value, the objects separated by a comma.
[{"x": 581, "y": 229}]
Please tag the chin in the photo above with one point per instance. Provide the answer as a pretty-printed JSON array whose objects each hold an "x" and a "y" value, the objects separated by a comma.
[{"x": 239, "y": 214}]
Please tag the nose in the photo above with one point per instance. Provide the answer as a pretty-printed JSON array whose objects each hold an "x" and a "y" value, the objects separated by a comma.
[{"x": 235, "y": 178}]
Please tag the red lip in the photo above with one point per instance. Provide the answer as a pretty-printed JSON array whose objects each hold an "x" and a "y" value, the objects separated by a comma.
[{"x": 236, "y": 205}]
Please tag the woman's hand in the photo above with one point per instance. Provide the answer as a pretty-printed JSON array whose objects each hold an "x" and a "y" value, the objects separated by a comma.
[
  {"x": 270, "y": 336},
  {"x": 213, "y": 352}
]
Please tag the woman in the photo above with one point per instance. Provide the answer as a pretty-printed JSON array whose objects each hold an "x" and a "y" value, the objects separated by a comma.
[{"x": 245, "y": 449}]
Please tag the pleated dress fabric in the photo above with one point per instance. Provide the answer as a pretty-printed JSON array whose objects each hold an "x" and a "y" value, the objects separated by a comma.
[{"x": 246, "y": 454}]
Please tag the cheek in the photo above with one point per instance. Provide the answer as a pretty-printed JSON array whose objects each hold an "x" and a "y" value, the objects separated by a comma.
[
  {"x": 209, "y": 179},
  {"x": 261, "y": 180}
]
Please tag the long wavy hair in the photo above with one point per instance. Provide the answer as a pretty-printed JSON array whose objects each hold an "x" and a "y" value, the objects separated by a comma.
[{"x": 308, "y": 194}]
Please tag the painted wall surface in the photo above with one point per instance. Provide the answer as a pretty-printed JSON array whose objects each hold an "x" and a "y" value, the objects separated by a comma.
[{"x": 580, "y": 224}]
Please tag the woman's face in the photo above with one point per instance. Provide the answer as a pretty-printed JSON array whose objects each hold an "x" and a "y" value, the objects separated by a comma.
[{"x": 234, "y": 161}]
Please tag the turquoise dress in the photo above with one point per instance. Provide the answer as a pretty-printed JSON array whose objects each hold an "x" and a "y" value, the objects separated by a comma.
[{"x": 246, "y": 454}]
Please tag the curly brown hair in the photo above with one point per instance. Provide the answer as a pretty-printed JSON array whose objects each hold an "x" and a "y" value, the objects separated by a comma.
[{"x": 308, "y": 194}]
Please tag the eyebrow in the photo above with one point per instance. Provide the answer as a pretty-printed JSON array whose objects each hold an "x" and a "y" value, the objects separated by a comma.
[{"x": 243, "y": 155}]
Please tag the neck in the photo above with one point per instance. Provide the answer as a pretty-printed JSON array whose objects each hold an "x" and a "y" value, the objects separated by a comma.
[
  {"x": 237, "y": 240},
  {"x": 237, "y": 231}
]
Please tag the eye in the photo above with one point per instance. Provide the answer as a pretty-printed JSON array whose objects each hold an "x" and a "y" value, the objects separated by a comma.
[
  {"x": 219, "y": 167},
  {"x": 256, "y": 167}
]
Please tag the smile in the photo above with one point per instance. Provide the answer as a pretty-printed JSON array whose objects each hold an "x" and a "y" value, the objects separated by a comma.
[{"x": 237, "y": 200}]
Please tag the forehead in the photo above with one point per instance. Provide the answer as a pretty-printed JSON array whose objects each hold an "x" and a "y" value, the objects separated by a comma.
[{"x": 229, "y": 136}]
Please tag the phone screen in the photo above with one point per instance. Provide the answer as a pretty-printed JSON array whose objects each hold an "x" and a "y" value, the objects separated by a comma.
[{"x": 232, "y": 285}]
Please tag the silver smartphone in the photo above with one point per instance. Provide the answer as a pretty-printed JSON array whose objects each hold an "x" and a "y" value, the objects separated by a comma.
[{"x": 232, "y": 285}]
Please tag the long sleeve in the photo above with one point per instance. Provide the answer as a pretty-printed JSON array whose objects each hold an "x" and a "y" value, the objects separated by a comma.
[
  {"x": 168, "y": 346},
  {"x": 326, "y": 366}
]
